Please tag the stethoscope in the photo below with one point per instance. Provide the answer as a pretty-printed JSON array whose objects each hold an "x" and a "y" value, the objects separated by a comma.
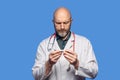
[{"x": 51, "y": 43}]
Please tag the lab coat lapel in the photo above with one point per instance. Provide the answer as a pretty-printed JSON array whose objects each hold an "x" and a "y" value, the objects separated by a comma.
[
  {"x": 69, "y": 44},
  {"x": 56, "y": 46}
]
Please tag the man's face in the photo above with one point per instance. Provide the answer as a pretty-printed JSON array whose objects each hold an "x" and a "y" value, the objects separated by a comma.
[{"x": 62, "y": 25}]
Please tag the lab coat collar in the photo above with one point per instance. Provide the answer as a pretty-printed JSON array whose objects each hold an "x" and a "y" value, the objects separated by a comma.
[{"x": 69, "y": 44}]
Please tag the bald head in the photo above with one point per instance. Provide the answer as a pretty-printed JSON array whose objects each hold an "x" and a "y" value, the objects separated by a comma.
[{"x": 62, "y": 13}]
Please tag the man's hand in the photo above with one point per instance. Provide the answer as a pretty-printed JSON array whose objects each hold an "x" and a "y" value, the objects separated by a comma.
[
  {"x": 72, "y": 58},
  {"x": 53, "y": 58}
]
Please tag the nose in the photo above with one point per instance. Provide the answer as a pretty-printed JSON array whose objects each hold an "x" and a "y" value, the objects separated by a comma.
[{"x": 62, "y": 26}]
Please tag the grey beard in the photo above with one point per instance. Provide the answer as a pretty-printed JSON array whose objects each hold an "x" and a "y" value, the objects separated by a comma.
[{"x": 62, "y": 34}]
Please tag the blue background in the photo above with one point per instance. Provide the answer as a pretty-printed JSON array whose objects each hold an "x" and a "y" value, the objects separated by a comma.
[{"x": 25, "y": 23}]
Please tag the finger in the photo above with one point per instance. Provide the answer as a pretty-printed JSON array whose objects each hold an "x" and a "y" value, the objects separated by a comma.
[
  {"x": 69, "y": 51},
  {"x": 71, "y": 55},
  {"x": 53, "y": 55},
  {"x": 54, "y": 60},
  {"x": 68, "y": 57},
  {"x": 56, "y": 54},
  {"x": 71, "y": 60}
]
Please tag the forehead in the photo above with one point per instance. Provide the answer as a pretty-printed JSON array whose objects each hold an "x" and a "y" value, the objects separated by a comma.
[
  {"x": 62, "y": 19},
  {"x": 62, "y": 16}
]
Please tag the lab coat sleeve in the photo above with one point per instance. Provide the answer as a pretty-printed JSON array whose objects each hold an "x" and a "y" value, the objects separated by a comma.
[
  {"x": 38, "y": 69},
  {"x": 87, "y": 64}
]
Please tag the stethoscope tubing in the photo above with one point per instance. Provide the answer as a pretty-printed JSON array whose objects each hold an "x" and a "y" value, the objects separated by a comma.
[{"x": 53, "y": 37}]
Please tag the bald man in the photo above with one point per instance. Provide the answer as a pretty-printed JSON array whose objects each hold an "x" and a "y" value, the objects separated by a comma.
[{"x": 64, "y": 55}]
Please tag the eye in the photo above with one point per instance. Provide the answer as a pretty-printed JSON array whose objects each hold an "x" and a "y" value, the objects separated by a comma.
[
  {"x": 58, "y": 22},
  {"x": 66, "y": 22}
]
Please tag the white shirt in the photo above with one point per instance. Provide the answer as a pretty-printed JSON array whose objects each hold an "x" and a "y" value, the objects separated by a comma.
[{"x": 62, "y": 70}]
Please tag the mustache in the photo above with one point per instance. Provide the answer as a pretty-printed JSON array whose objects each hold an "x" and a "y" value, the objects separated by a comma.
[{"x": 62, "y": 30}]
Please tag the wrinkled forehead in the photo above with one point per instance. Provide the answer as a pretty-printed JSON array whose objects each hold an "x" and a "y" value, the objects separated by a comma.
[{"x": 62, "y": 19}]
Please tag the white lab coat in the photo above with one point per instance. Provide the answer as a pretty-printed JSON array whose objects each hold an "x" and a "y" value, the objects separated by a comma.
[{"x": 87, "y": 62}]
